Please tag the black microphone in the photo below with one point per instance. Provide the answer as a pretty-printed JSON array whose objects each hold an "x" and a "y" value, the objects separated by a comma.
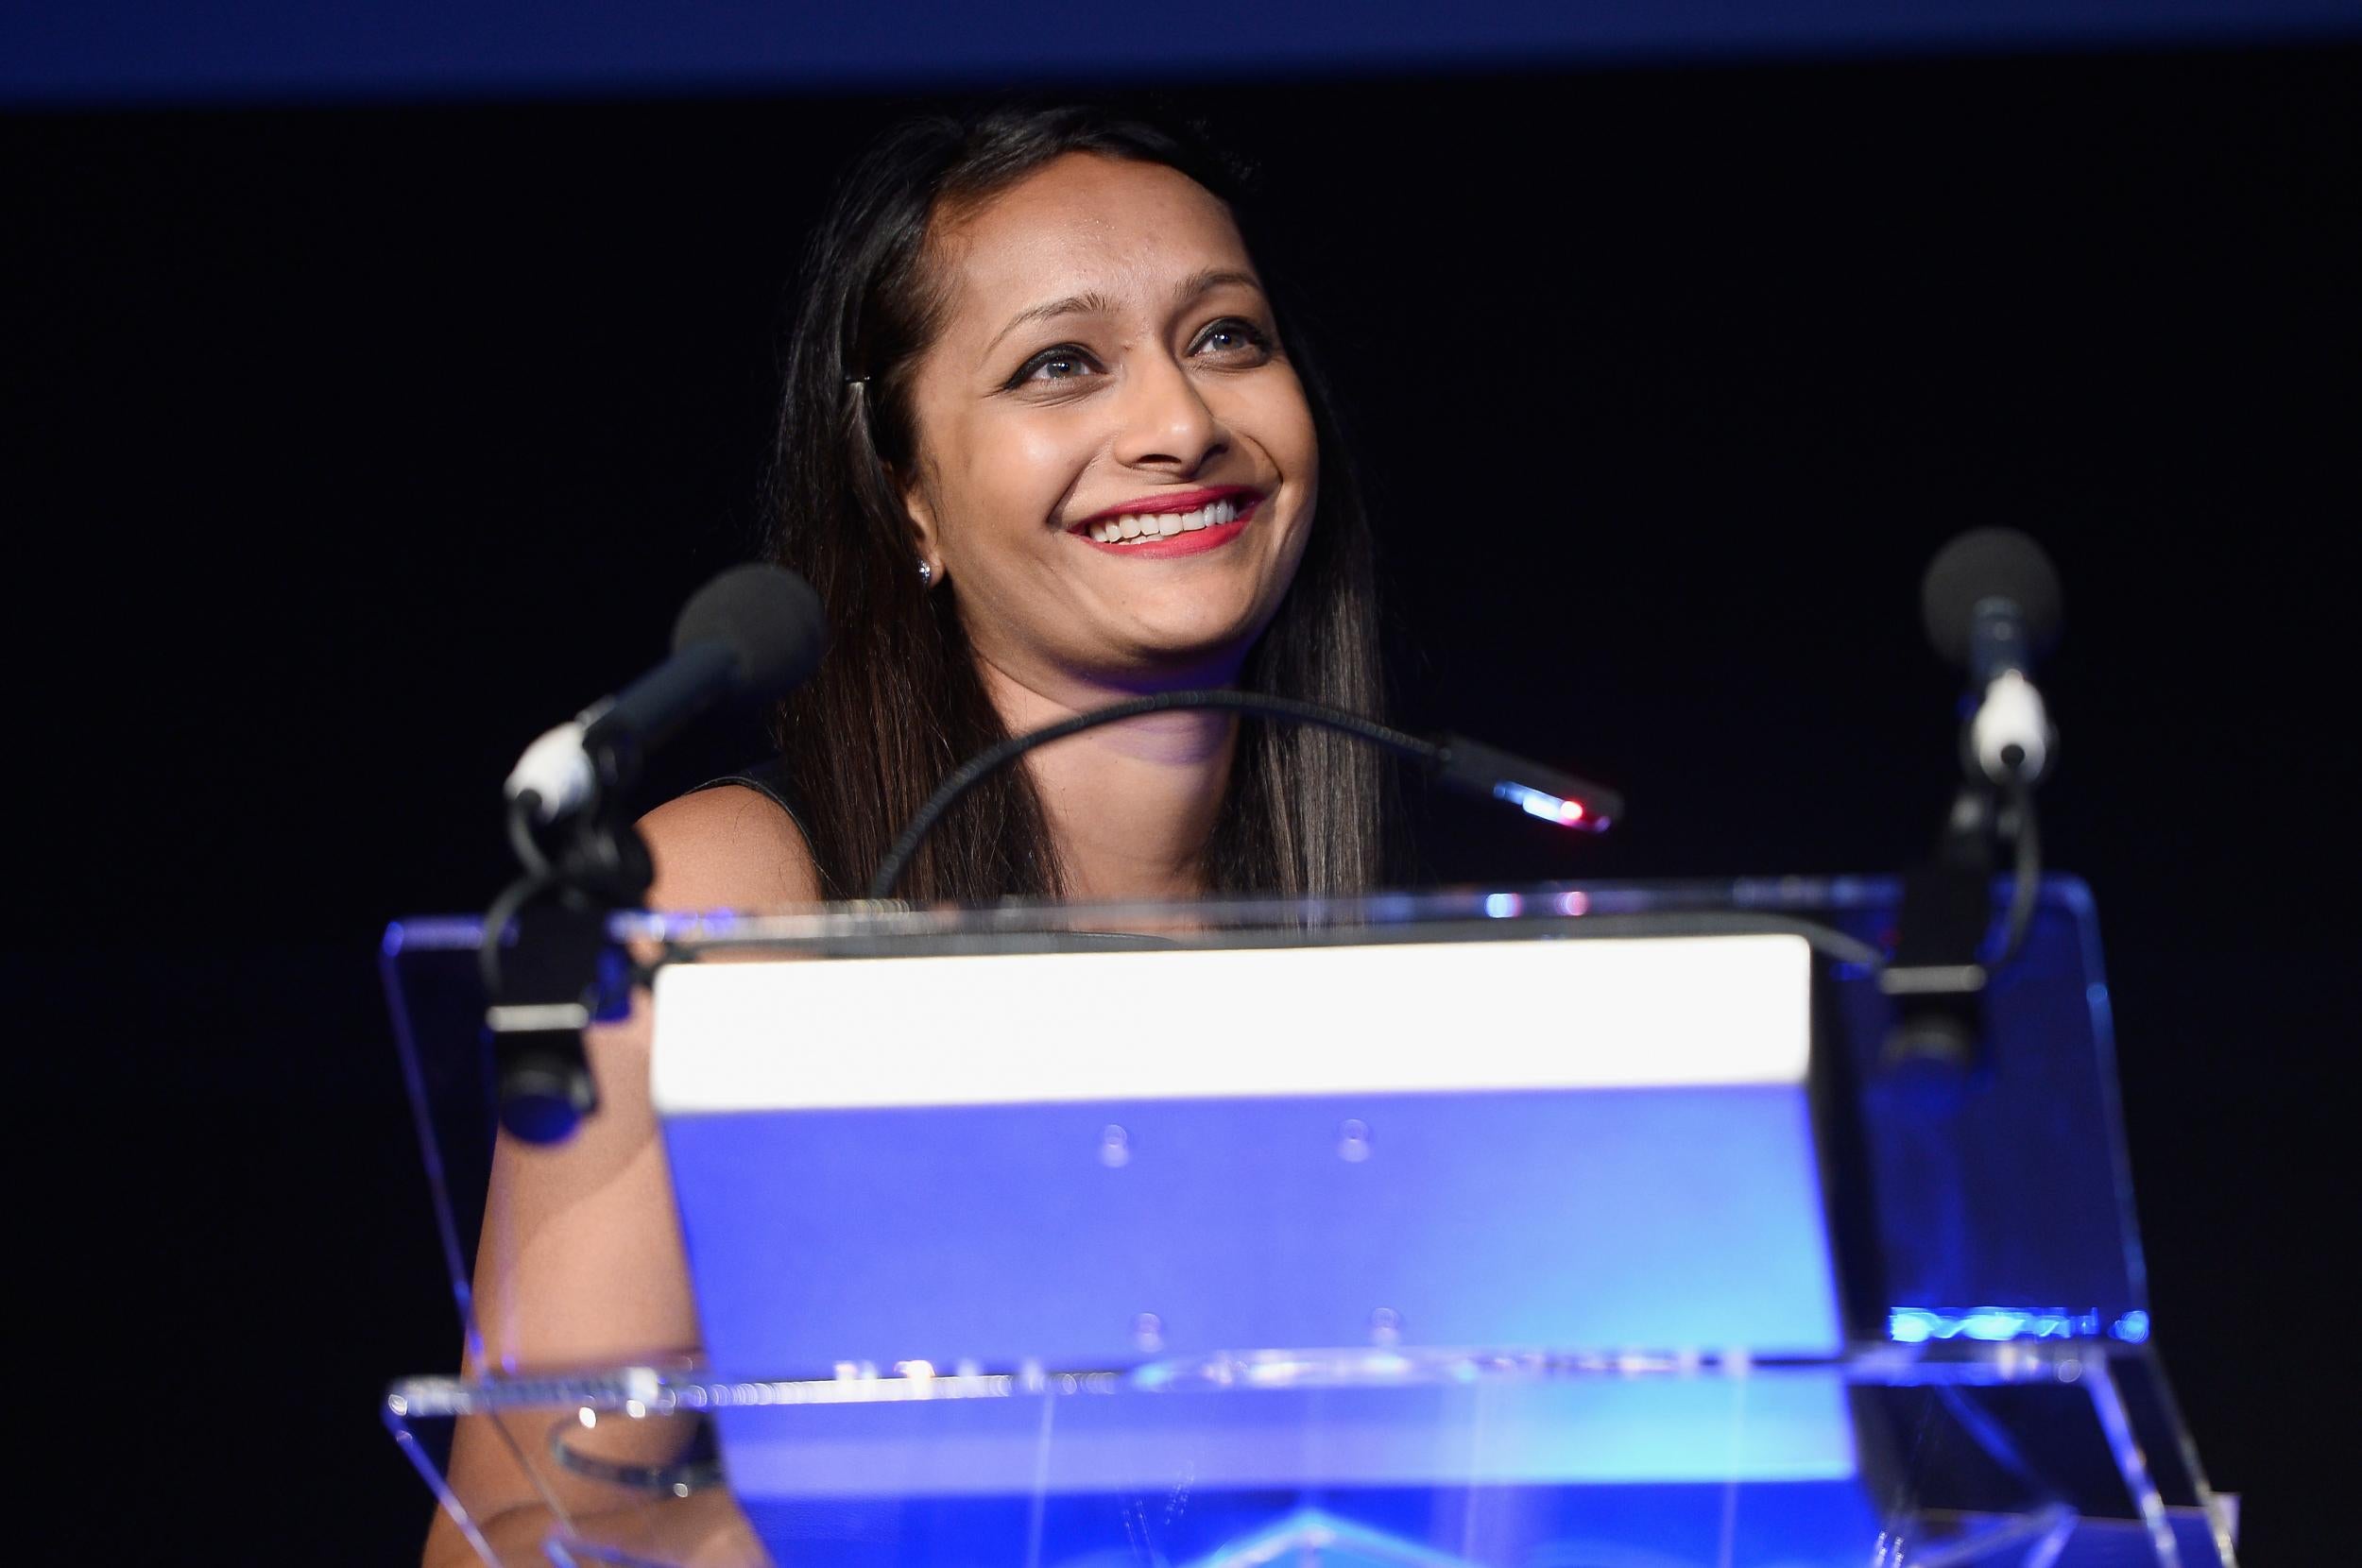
[
  {"x": 1992, "y": 604},
  {"x": 1993, "y": 607},
  {"x": 1461, "y": 763},
  {"x": 752, "y": 634}
]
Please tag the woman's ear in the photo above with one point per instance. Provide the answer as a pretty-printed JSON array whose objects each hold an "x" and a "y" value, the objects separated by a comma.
[{"x": 925, "y": 546}]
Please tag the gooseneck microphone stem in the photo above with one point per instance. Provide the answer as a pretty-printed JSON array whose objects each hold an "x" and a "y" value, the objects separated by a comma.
[
  {"x": 990, "y": 760},
  {"x": 1463, "y": 764}
]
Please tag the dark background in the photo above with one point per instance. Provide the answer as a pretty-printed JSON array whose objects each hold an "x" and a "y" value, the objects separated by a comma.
[{"x": 349, "y": 448}]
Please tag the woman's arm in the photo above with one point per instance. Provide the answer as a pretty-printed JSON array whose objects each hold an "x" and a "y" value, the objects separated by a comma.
[{"x": 580, "y": 1263}]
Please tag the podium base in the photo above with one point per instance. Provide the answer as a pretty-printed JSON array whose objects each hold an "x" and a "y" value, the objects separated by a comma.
[{"x": 2038, "y": 1454}]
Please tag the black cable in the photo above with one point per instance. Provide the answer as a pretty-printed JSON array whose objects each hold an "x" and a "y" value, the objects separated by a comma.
[
  {"x": 528, "y": 849},
  {"x": 968, "y": 773},
  {"x": 512, "y": 900}
]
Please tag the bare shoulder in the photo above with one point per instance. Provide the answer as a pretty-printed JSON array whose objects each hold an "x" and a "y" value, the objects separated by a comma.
[{"x": 728, "y": 847}]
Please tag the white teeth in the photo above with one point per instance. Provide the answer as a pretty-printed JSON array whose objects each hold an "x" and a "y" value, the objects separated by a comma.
[{"x": 1163, "y": 525}]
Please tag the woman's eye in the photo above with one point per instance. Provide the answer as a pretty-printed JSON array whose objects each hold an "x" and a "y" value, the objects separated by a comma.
[
  {"x": 1236, "y": 340},
  {"x": 1065, "y": 363}
]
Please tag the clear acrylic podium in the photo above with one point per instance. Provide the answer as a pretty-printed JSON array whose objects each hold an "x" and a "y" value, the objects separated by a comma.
[{"x": 1566, "y": 1227}]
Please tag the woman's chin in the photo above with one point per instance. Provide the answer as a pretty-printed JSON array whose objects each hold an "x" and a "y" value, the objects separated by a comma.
[
  {"x": 1168, "y": 659},
  {"x": 1188, "y": 629}
]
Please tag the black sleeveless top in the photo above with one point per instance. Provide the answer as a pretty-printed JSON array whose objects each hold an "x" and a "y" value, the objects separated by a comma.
[{"x": 767, "y": 778}]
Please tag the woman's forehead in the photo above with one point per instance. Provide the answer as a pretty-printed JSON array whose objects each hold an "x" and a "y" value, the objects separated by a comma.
[{"x": 1127, "y": 234}]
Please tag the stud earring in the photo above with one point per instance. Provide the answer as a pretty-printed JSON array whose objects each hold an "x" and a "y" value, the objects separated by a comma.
[{"x": 926, "y": 572}]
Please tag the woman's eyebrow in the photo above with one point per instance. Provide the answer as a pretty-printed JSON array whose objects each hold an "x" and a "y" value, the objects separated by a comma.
[
  {"x": 1195, "y": 286},
  {"x": 1074, "y": 305},
  {"x": 1199, "y": 284}
]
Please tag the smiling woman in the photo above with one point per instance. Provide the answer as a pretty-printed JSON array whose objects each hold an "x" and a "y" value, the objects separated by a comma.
[
  {"x": 1037, "y": 357},
  {"x": 1047, "y": 443}
]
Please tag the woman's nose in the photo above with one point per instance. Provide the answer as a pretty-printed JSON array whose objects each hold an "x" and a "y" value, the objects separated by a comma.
[{"x": 1167, "y": 422}]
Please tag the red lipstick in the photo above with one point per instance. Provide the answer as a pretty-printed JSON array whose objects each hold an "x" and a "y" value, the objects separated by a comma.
[{"x": 1190, "y": 542}]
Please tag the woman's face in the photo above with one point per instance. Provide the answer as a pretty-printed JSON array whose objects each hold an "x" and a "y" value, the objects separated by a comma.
[{"x": 1116, "y": 464}]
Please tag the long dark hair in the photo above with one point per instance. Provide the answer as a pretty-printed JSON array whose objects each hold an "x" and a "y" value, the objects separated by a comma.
[{"x": 898, "y": 702}]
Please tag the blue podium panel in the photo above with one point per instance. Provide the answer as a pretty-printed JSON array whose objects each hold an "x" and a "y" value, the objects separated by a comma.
[
  {"x": 1082, "y": 1162},
  {"x": 1088, "y": 1160},
  {"x": 1000, "y": 1234}
]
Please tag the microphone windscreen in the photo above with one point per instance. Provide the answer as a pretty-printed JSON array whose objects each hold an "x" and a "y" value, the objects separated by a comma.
[
  {"x": 768, "y": 618},
  {"x": 1983, "y": 564}
]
